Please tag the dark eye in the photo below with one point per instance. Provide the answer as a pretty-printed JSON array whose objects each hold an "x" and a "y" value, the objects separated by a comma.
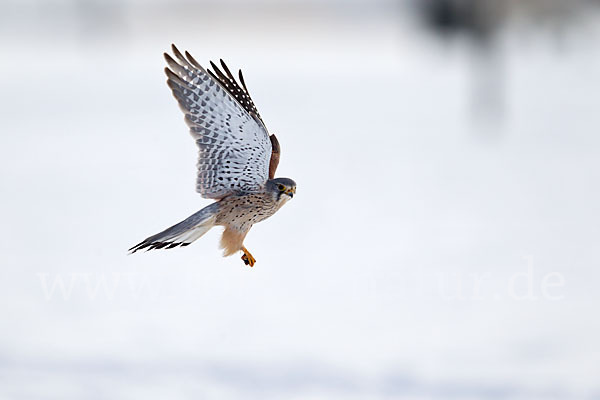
[{"x": 281, "y": 187}]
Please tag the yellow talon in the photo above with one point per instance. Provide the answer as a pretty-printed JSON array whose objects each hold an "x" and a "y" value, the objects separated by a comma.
[{"x": 247, "y": 257}]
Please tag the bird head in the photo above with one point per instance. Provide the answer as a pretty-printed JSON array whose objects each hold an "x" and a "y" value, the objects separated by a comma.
[{"x": 282, "y": 187}]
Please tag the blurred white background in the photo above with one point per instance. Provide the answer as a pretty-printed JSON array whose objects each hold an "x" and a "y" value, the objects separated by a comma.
[{"x": 443, "y": 243}]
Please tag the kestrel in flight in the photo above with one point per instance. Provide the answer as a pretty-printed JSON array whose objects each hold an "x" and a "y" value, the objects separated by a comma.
[{"x": 237, "y": 160}]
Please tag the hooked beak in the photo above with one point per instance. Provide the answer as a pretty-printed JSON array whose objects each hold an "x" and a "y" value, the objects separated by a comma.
[{"x": 290, "y": 192}]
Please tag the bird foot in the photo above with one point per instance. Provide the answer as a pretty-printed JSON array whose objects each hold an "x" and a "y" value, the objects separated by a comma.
[{"x": 247, "y": 257}]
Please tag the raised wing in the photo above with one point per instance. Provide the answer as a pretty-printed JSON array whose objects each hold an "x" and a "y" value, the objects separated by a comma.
[
  {"x": 241, "y": 94},
  {"x": 235, "y": 148}
]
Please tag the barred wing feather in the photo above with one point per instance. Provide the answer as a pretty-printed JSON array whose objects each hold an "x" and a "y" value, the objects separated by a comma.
[{"x": 234, "y": 146}]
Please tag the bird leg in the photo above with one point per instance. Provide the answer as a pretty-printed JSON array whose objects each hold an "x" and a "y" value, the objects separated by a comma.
[{"x": 247, "y": 257}]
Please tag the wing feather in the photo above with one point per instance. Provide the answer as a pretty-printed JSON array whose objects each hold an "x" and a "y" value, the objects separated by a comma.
[
  {"x": 241, "y": 94},
  {"x": 234, "y": 146}
]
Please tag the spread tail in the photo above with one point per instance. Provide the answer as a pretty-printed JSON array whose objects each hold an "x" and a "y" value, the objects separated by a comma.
[{"x": 183, "y": 233}]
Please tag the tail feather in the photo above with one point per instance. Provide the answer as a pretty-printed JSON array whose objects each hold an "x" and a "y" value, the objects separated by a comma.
[{"x": 183, "y": 233}]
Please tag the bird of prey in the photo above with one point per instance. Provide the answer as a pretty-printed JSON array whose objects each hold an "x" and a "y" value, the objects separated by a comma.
[{"x": 237, "y": 157}]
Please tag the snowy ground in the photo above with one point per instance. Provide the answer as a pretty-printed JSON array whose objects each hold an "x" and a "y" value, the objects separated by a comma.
[{"x": 428, "y": 254}]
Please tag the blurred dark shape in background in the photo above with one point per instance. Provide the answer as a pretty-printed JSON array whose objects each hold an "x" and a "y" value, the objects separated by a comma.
[
  {"x": 481, "y": 19},
  {"x": 476, "y": 18},
  {"x": 480, "y": 22}
]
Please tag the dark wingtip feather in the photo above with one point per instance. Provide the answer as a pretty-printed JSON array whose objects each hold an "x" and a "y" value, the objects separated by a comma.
[
  {"x": 168, "y": 58},
  {"x": 138, "y": 246},
  {"x": 242, "y": 81},
  {"x": 193, "y": 61},
  {"x": 227, "y": 71},
  {"x": 182, "y": 60},
  {"x": 175, "y": 50},
  {"x": 216, "y": 69}
]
